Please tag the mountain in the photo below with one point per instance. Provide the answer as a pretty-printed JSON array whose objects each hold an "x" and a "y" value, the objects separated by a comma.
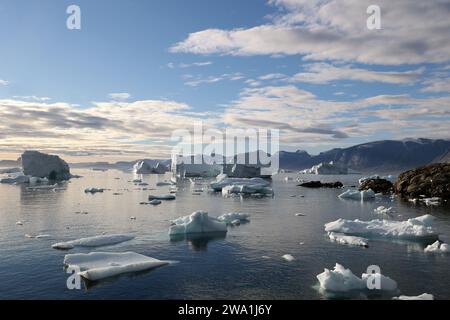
[
  {"x": 9, "y": 163},
  {"x": 382, "y": 156}
]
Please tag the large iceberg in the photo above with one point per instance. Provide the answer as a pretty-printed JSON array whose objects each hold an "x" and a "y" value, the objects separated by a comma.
[
  {"x": 326, "y": 168},
  {"x": 412, "y": 229},
  {"x": 97, "y": 241},
  {"x": 148, "y": 167},
  {"x": 197, "y": 223},
  {"x": 223, "y": 181},
  {"x": 341, "y": 279},
  {"x": 100, "y": 265},
  {"x": 246, "y": 189},
  {"x": 423, "y": 296},
  {"x": 41, "y": 165}
]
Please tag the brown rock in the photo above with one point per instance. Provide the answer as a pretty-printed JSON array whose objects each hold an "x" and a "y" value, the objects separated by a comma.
[{"x": 377, "y": 185}]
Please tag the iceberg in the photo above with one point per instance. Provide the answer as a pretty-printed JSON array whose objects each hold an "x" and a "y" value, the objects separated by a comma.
[
  {"x": 162, "y": 197},
  {"x": 383, "y": 210},
  {"x": 341, "y": 279},
  {"x": 230, "y": 218},
  {"x": 438, "y": 247},
  {"x": 246, "y": 189},
  {"x": 37, "y": 164},
  {"x": 412, "y": 229},
  {"x": 358, "y": 195},
  {"x": 100, "y": 265},
  {"x": 288, "y": 257},
  {"x": 350, "y": 240},
  {"x": 223, "y": 181},
  {"x": 97, "y": 241},
  {"x": 198, "y": 222},
  {"x": 423, "y": 296},
  {"x": 326, "y": 168}
]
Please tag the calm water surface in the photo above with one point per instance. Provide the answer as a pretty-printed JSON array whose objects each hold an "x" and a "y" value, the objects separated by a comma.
[{"x": 228, "y": 268}]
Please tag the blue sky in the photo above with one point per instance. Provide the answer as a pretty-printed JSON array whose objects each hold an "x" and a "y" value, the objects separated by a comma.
[{"x": 309, "y": 68}]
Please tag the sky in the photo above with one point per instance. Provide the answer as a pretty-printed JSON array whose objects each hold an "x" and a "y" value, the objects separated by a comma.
[{"x": 139, "y": 69}]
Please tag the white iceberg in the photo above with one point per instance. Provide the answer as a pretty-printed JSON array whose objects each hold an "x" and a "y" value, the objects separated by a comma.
[
  {"x": 326, "y": 168},
  {"x": 423, "y": 296},
  {"x": 358, "y": 195},
  {"x": 100, "y": 265},
  {"x": 412, "y": 229},
  {"x": 97, "y": 241},
  {"x": 93, "y": 190},
  {"x": 438, "y": 247},
  {"x": 246, "y": 189},
  {"x": 350, "y": 240},
  {"x": 341, "y": 279},
  {"x": 162, "y": 197},
  {"x": 229, "y": 218},
  {"x": 196, "y": 223},
  {"x": 383, "y": 210},
  {"x": 288, "y": 257},
  {"x": 223, "y": 181}
]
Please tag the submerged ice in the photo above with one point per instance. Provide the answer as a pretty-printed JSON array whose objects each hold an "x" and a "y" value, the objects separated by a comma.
[{"x": 350, "y": 240}]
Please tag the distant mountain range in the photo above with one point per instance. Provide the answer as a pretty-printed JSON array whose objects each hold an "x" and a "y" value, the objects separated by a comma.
[
  {"x": 379, "y": 156},
  {"x": 382, "y": 156}
]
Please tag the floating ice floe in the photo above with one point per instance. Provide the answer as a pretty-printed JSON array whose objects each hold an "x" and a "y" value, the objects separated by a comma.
[
  {"x": 438, "y": 247},
  {"x": 97, "y": 241},
  {"x": 358, "y": 195},
  {"x": 197, "y": 223},
  {"x": 19, "y": 223},
  {"x": 341, "y": 279},
  {"x": 288, "y": 257},
  {"x": 100, "y": 265},
  {"x": 39, "y": 236},
  {"x": 423, "y": 296},
  {"x": 350, "y": 240},
  {"x": 419, "y": 228},
  {"x": 229, "y": 218},
  {"x": 155, "y": 202},
  {"x": 37, "y": 180},
  {"x": 383, "y": 210},
  {"x": 93, "y": 190},
  {"x": 223, "y": 181},
  {"x": 162, "y": 197},
  {"x": 390, "y": 178},
  {"x": 246, "y": 189}
]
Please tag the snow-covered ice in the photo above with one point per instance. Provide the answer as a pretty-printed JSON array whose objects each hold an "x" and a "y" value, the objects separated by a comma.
[
  {"x": 423, "y": 296},
  {"x": 246, "y": 189},
  {"x": 341, "y": 279},
  {"x": 223, "y": 181},
  {"x": 419, "y": 228},
  {"x": 97, "y": 241},
  {"x": 100, "y": 265},
  {"x": 383, "y": 210},
  {"x": 438, "y": 247},
  {"x": 228, "y": 218},
  {"x": 197, "y": 222},
  {"x": 288, "y": 257},
  {"x": 358, "y": 195},
  {"x": 350, "y": 240}
]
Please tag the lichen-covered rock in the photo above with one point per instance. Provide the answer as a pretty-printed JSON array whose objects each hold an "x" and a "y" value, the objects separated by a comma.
[
  {"x": 377, "y": 185},
  {"x": 429, "y": 181},
  {"x": 41, "y": 165},
  {"x": 318, "y": 184}
]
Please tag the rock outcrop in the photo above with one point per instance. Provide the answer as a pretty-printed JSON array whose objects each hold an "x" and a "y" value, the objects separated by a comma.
[
  {"x": 377, "y": 185},
  {"x": 429, "y": 181},
  {"x": 318, "y": 184},
  {"x": 41, "y": 165}
]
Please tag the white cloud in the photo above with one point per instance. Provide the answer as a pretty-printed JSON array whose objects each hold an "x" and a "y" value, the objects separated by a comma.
[
  {"x": 32, "y": 98},
  {"x": 196, "y": 81},
  {"x": 322, "y": 73},
  {"x": 412, "y": 32},
  {"x": 120, "y": 96},
  {"x": 3, "y": 82},
  {"x": 172, "y": 65}
]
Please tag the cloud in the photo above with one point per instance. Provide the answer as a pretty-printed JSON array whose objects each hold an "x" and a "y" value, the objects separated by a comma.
[
  {"x": 32, "y": 98},
  {"x": 196, "y": 81},
  {"x": 436, "y": 85},
  {"x": 412, "y": 32},
  {"x": 172, "y": 65},
  {"x": 3, "y": 82},
  {"x": 119, "y": 96},
  {"x": 322, "y": 73}
]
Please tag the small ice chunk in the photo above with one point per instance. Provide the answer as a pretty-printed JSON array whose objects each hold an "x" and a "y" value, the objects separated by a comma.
[
  {"x": 93, "y": 190},
  {"x": 438, "y": 247},
  {"x": 19, "y": 223},
  {"x": 412, "y": 229},
  {"x": 341, "y": 279},
  {"x": 423, "y": 296},
  {"x": 197, "y": 222},
  {"x": 155, "y": 202},
  {"x": 383, "y": 210},
  {"x": 100, "y": 265},
  {"x": 228, "y": 218},
  {"x": 162, "y": 197},
  {"x": 288, "y": 257},
  {"x": 350, "y": 240},
  {"x": 300, "y": 215},
  {"x": 97, "y": 241}
]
